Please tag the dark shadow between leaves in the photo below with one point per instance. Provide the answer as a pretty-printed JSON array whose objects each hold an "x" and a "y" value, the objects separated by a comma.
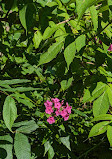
[{"x": 3, "y": 153}]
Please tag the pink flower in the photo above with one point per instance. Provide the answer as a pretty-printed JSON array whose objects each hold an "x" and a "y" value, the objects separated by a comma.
[
  {"x": 48, "y": 103},
  {"x": 110, "y": 47},
  {"x": 55, "y": 100},
  {"x": 57, "y": 105},
  {"x": 62, "y": 102},
  {"x": 57, "y": 112},
  {"x": 66, "y": 117},
  {"x": 68, "y": 108},
  {"x": 51, "y": 120},
  {"x": 49, "y": 110},
  {"x": 63, "y": 112}
]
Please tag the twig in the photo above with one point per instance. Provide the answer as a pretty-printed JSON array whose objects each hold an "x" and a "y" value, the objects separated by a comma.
[{"x": 65, "y": 21}]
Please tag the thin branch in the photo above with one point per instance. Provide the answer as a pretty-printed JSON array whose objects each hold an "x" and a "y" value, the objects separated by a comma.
[{"x": 65, "y": 21}]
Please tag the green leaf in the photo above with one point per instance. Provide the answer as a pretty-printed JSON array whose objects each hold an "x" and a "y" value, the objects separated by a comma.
[
  {"x": 27, "y": 129},
  {"x": 51, "y": 53},
  {"x": 23, "y": 123},
  {"x": 20, "y": 89},
  {"x": 66, "y": 84},
  {"x": 69, "y": 53},
  {"x": 102, "y": 117},
  {"x": 98, "y": 129},
  {"x": 100, "y": 88},
  {"x": 51, "y": 153},
  {"x": 110, "y": 8},
  {"x": 22, "y": 98},
  {"x": 109, "y": 134},
  {"x": 49, "y": 31},
  {"x": 37, "y": 39},
  {"x": 80, "y": 42},
  {"x": 101, "y": 105},
  {"x": 13, "y": 81},
  {"x": 85, "y": 5},
  {"x": 26, "y": 15},
  {"x": 94, "y": 17},
  {"x": 22, "y": 146},
  {"x": 80, "y": 113},
  {"x": 47, "y": 146},
  {"x": 65, "y": 1},
  {"x": 9, "y": 112},
  {"x": 26, "y": 102},
  {"x": 66, "y": 141},
  {"x": 109, "y": 91},
  {"x": 6, "y": 147}
]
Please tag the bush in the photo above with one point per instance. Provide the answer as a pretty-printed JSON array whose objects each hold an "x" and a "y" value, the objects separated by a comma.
[{"x": 55, "y": 52}]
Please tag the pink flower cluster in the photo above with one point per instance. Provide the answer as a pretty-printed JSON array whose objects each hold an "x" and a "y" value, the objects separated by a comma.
[{"x": 56, "y": 108}]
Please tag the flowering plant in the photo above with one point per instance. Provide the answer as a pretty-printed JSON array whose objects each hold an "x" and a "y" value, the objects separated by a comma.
[{"x": 56, "y": 108}]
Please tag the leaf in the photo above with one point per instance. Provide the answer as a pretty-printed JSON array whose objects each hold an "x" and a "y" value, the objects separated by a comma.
[
  {"x": 51, "y": 53},
  {"x": 20, "y": 89},
  {"x": 80, "y": 42},
  {"x": 37, "y": 39},
  {"x": 47, "y": 146},
  {"x": 50, "y": 153},
  {"x": 26, "y": 15},
  {"x": 13, "y": 81},
  {"x": 100, "y": 88},
  {"x": 85, "y": 5},
  {"x": 98, "y": 129},
  {"x": 23, "y": 123},
  {"x": 66, "y": 142},
  {"x": 102, "y": 117},
  {"x": 49, "y": 31},
  {"x": 78, "y": 5},
  {"x": 110, "y": 8},
  {"x": 109, "y": 91},
  {"x": 94, "y": 17},
  {"x": 66, "y": 84},
  {"x": 27, "y": 129},
  {"x": 69, "y": 53},
  {"x": 22, "y": 146},
  {"x": 109, "y": 134},
  {"x": 101, "y": 105},
  {"x": 9, "y": 112},
  {"x": 65, "y": 1},
  {"x": 80, "y": 113},
  {"x": 26, "y": 102},
  {"x": 22, "y": 98},
  {"x": 6, "y": 147}
]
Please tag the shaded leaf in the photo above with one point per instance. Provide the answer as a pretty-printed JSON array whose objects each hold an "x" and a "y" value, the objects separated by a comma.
[
  {"x": 26, "y": 15},
  {"x": 66, "y": 141},
  {"x": 27, "y": 129},
  {"x": 6, "y": 147},
  {"x": 9, "y": 112},
  {"x": 22, "y": 146}
]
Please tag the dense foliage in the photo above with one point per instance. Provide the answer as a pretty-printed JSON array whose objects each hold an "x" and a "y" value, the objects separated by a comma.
[{"x": 56, "y": 79}]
